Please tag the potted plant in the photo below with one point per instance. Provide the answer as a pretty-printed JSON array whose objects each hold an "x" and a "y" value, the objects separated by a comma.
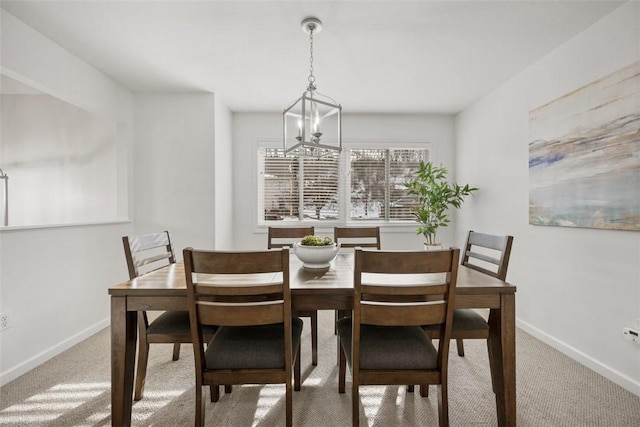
[
  {"x": 435, "y": 196},
  {"x": 315, "y": 251}
]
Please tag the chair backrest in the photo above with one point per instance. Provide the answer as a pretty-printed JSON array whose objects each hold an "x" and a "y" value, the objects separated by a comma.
[
  {"x": 351, "y": 237},
  {"x": 406, "y": 288},
  {"x": 488, "y": 253},
  {"x": 147, "y": 252},
  {"x": 237, "y": 289},
  {"x": 280, "y": 237}
]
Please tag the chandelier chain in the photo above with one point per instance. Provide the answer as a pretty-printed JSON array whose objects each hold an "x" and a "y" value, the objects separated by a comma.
[{"x": 312, "y": 78}]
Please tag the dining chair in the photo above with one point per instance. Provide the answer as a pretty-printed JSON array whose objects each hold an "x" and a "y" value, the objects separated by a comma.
[
  {"x": 395, "y": 293},
  {"x": 280, "y": 237},
  {"x": 258, "y": 341},
  {"x": 144, "y": 254},
  {"x": 351, "y": 237},
  {"x": 488, "y": 254}
]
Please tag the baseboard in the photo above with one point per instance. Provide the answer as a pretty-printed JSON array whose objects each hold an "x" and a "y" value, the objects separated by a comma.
[
  {"x": 35, "y": 361},
  {"x": 582, "y": 358}
]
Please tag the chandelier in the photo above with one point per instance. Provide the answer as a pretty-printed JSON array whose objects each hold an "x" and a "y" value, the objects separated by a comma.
[{"x": 312, "y": 123}]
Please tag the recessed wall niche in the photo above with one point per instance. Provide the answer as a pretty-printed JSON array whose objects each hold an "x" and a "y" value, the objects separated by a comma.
[{"x": 61, "y": 160}]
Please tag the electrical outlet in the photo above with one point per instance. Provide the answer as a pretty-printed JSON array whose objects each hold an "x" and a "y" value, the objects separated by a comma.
[
  {"x": 632, "y": 335},
  {"x": 5, "y": 321}
]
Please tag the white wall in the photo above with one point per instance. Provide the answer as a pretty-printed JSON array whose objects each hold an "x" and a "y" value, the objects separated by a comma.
[
  {"x": 577, "y": 288},
  {"x": 54, "y": 281},
  {"x": 62, "y": 162},
  {"x": 250, "y": 128},
  {"x": 174, "y": 176},
  {"x": 223, "y": 177}
]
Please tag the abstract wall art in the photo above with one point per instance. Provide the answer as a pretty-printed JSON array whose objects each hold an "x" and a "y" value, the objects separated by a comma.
[{"x": 584, "y": 156}]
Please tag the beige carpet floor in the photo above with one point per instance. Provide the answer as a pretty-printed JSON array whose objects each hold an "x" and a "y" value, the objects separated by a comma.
[{"x": 73, "y": 389}]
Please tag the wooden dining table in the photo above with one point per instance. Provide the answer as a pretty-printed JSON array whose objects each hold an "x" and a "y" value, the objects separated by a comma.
[{"x": 311, "y": 289}]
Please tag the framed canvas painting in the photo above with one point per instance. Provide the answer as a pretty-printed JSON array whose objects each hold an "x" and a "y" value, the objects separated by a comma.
[{"x": 584, "y": 156}]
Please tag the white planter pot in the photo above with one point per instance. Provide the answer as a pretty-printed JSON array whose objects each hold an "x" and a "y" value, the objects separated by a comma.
[
  {"x": 315, "y": 256},
  {"x": 433, "y": 247}
]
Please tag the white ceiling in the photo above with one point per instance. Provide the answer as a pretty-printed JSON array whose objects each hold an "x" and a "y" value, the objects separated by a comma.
[{"x": 372, "y": 56}]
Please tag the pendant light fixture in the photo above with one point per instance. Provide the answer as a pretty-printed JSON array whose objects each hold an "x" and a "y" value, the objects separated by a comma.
[{"x": 312, "y": 124}]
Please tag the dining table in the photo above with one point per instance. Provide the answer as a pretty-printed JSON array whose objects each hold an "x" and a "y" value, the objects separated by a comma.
[{"x": 311, "y": 289}]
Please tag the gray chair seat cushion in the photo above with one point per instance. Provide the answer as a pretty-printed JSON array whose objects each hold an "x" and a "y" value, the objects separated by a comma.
[
  {"x": 259, "y": 347},
  {"x": 465, "y": 319},
  {"x": 175, "y": 323},
  {"x": 390, "y": 347}
]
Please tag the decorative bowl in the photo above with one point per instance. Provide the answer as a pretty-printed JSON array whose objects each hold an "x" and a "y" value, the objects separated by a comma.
[{"x": 315, "y": 256}]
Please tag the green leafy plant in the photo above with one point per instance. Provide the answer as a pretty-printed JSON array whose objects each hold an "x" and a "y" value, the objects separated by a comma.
[
  {"x": 316, "y": 241},
  {"x": 435, "y": 196}
]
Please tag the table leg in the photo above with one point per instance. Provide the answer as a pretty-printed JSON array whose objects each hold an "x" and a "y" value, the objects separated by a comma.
[
  {"x": 123, "y": 352},
  {"x": 502, "y": 358},
  {"x": 340, "y": 314}
]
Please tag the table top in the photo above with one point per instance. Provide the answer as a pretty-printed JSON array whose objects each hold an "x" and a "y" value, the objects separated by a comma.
[{"x": 170, "y": 280}]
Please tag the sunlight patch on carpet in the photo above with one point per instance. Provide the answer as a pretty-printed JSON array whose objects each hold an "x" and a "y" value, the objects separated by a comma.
[{"x": 53, "y": 403}]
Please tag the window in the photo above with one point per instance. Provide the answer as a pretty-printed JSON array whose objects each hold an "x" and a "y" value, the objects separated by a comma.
[
  {"x": 292, "y": 182},
  {"x": 377, "y": 183},
  {"x": 311, "y": 189}
]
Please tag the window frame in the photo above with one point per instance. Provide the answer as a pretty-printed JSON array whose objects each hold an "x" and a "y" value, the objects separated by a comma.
[{"x": 344, "y": 184}]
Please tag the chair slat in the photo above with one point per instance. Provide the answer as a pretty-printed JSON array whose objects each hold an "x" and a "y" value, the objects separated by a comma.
[
  {"x": 152, "y": 259},
  {"x": 403, "y": 290},
  {"x": 292, "y": 234},
  {"x": 148, "y": 241},
  {"x": 488, "y": 240},
  {"x": 404, "y": 262},
  {"x": 352, "y": 237},
  {"x": 236, "y": 263},
  {"x": 403, "y": 314},
  {"x": 238, "y": 290},
  {"x": 483, "y": 257},
  {"x": 240, "y": 314}
]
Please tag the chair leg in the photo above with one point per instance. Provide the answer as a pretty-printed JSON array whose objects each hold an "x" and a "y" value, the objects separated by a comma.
[
  {"x": 443, "y": 404},
  {"x": 314, "y": 338},
  {"x": 141, "y": 370},
  {"x": 339, "y": 315},
  {"x": 342, "y": 371},
  {"x": 424, "y": 390},
  {"x": 199, "y": 421},
  {"x": 296, "y": 372},
  {"x": 176, "y": 351},
  {"x": 355, "y": 402},
  {"x": 410, "y": 389},
  {"x": 289, "y": 403},
  {"x": 493, "y": 350},
  {"x": 228, "y": 388},
  {"x": 460, "y": 345},
  {"x": 492, "y": 364},
  {"x": 335, "y": 325},
  {"x": 214, "y": 391}
]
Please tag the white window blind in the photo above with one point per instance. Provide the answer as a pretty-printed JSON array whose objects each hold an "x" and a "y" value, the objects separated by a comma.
[
  {"x": 320, "y": 188},
  {"x": 368, "y": 183},
  {"x": 281, "y": 194},
  {"x": 402, "y": 164},
  {"x": 284, "y": 178},
  {"x": 377, "y": 183},
  {"x": 308, "y": 188}
]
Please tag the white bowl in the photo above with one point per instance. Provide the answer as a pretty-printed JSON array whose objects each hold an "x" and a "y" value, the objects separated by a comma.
[{"x": 315, "y": 256}]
